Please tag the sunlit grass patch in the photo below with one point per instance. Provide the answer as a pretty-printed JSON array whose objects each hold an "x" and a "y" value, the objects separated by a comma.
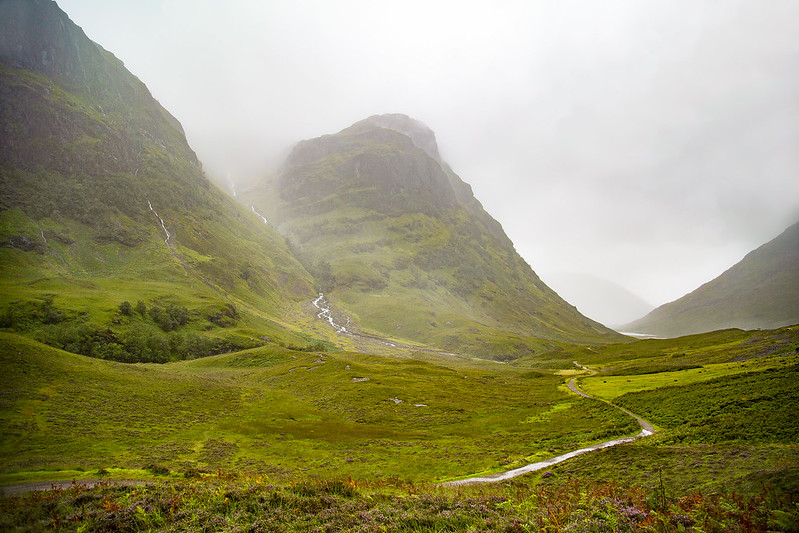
[{"x": 610, "y": 387}]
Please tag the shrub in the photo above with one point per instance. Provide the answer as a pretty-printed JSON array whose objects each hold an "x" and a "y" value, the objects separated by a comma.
[
  {"x": 158, "y": 470},
  {"x": 170, "y": 317},
  {"x": 125, "y": 308}
]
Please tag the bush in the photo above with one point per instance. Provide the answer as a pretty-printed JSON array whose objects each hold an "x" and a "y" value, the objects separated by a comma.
[
  {"x": 170, "y": 317},
  {"x": 158, "y": 470},
  {"x": 125, "y": 308}
]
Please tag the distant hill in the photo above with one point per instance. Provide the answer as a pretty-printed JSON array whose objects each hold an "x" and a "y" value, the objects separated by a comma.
[
  {"x": 102, "y": 201},
  {"x": 597, "y": 298},
  {"x": 761, "y": 291},
  {"x": 399, "y": 240}
]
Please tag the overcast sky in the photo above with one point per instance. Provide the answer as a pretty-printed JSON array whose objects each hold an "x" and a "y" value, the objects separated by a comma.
[{"x": 652, "y": 143}]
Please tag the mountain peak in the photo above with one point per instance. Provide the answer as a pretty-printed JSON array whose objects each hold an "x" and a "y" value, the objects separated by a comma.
[
  {"x": 421, "y": 134},
  {"x": 395, "y": 236},
  {"x": 389, "y": 162}
]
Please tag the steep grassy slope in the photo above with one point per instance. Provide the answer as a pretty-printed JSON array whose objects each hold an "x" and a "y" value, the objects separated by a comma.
[
  {"x": 761, "y": 291},
  {"x": 102, "y": 201},
  {"x": 396, "y": 238}
]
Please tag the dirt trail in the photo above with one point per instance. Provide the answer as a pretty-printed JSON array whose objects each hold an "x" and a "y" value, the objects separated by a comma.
[
  {"x": 646, "y": 430},
  {"x": 19, "y": 488}
]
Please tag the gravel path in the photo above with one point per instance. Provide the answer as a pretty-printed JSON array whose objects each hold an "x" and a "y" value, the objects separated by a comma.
[
  {"x": 32, "y": 486},
  {"x": 646, "y": 429}
]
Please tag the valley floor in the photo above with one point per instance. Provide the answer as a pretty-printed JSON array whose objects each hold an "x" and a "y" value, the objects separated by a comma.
[{"x": 339, "y": 433}]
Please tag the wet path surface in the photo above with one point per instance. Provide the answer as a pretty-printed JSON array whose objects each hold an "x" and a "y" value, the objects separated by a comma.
[
  {"x": 20, "y": 488},
  {"x": 646, "y": 429}
]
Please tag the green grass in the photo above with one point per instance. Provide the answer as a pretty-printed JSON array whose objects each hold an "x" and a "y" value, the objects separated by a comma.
[
  {"x": 313, "y": 418},
  {"x": 662, "y": 355},
  {"x": 753, "y": 407},
  {"x": 609, "y": 387},
  {"x": 275, "y": 410}
]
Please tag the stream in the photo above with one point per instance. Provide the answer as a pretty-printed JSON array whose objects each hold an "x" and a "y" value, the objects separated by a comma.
[
  {"x": 259, "y": 214},
  {"x": 163, "y": 226},
  {"x": 326, "y": 314},
  {"x": 168, "y": 236}
]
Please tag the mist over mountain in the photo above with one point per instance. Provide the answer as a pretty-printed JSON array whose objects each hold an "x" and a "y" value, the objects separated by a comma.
[
  {"x": 602, "y": 300},
  {"x": 396, "y": 236},
  {"x": 99, "y": 188},
  {"x": 761, "y": 291}
]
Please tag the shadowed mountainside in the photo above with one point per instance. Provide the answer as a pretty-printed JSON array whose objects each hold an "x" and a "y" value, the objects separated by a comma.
[
  {"x": 102, "y": 199},
  {"x": 761, "y": 291}
]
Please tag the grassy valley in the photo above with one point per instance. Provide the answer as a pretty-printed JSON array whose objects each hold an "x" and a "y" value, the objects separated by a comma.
[
  {"x": 166, "y": 365},
  {"x": 288, "y": 413},
  {"x": 277, "y": 436}
]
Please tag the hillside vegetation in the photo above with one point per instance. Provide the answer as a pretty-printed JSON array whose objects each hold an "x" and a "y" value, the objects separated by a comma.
[
  {"x": 291, "y": 439},
  {"x": 166, "y": 350},
  {"x": 402, "y": 246},
  {"x": 102, "y": 202},
  {"x": 761, "y": 291}
]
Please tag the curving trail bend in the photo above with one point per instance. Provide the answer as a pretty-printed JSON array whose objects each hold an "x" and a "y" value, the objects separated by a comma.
[{"x": 646, "y": 430}]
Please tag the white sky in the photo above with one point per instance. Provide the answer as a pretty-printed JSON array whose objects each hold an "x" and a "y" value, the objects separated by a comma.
[{"x": 652, "y": 143}]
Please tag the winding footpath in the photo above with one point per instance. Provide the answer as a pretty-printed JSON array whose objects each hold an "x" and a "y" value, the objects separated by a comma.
[{"x": 646, "y": 430}]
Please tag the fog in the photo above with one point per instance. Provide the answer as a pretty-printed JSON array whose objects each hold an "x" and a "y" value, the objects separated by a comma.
[{"x": 652, "y": 143}]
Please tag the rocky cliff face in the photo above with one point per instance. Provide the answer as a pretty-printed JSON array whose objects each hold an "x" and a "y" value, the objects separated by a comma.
[
  {"x": 73, "y": 98},
  {"x": 379, "y": 168}
]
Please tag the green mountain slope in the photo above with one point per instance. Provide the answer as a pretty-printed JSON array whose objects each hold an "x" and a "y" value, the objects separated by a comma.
[
  {"x": 399, "y": 242},
  {"x": 102, "y": 201},
  {"x": 761, "y": 291}
]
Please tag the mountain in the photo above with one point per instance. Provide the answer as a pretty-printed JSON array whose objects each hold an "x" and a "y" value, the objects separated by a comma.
[
  {"x": 600, "y": 299},
  {"x": 761, "y": 291},
  {"x": 103, "y": 203},
  {"x": 400, "y": 244}
]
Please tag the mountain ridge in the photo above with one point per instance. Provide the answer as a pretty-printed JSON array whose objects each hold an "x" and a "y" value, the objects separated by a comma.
[
  {"x": 103, "y": 202},
  {"x": 375, "y": 215},
  {"x": 759, "y": 292}
]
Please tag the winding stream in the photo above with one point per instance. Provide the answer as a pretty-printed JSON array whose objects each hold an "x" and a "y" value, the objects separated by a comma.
[
  {"x": 326, "y": 314},
  {"x": 259, "y": 214}
]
